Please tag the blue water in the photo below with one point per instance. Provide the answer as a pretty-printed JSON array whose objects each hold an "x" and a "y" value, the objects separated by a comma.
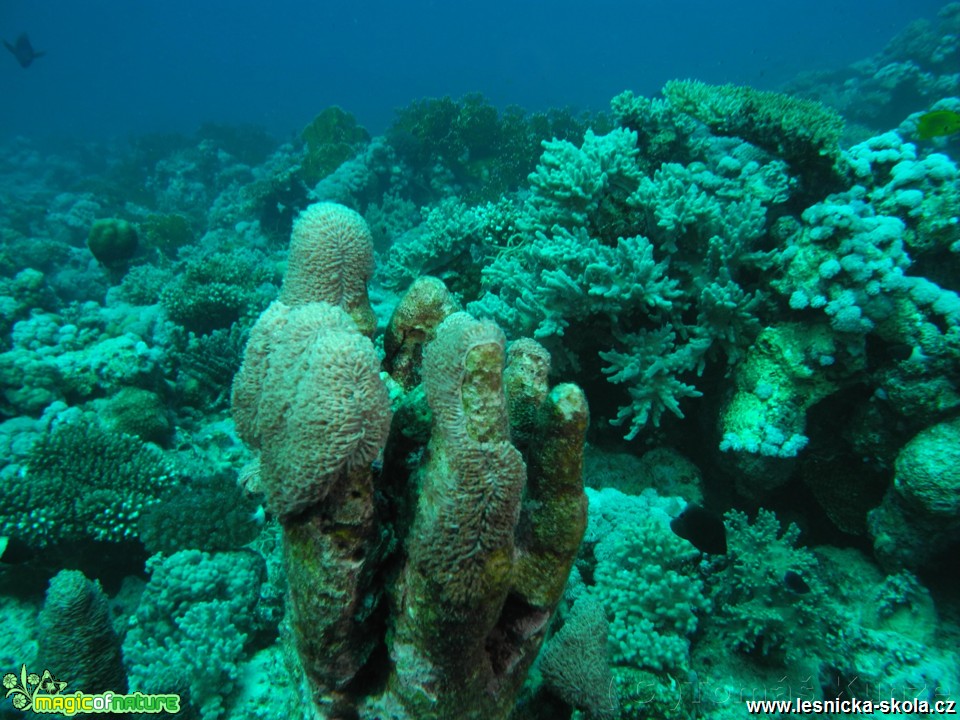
[{"x": 117, "y": 67}]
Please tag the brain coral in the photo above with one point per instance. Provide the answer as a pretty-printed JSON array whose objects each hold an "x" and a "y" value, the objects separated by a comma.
[
  {"x": 309, "y": 396},
  {"x": 331, "y": 259}
]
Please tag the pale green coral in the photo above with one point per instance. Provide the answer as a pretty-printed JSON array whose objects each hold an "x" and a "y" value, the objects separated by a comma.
[
  {"x": 800, "y": 131},
  {"x": 920, "y": 514},
  {"x": 754, "y": 606},
  {"x": 194, "y": 618},
  {"x": 789, "y": 368},
  {"x": 584, "y": 187},
  {"x": 646, "y": 579},
  {"x": 652, "y": 369}
]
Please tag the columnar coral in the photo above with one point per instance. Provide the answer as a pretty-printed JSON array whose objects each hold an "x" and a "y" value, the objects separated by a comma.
[
  {"x": 469, "y": 592},
  {"x": 309, "y": 397},
  {"x": 331, "y": 259},
  {"x": 476, "y": 594},
  {"x": 77, "y": 639}
]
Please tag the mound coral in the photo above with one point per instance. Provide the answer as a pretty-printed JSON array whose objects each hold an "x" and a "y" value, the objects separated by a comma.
[
  {"x": 112, "y": 242},
  {"x": 920, "y": 514}
]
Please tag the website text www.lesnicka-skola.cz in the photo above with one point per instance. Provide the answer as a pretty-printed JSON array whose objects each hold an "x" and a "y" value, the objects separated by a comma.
[{"x": 853, "y": 706}]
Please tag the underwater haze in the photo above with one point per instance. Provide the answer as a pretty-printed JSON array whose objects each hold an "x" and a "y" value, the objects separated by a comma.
[
  {"x": 456, "y": 361},
  {"x": 115, "y": 67}
]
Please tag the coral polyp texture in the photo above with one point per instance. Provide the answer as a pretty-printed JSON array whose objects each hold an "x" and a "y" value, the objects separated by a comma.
[
  {"x": 439, "y": 565},
  {"x": 309, "y": 396},
  {"x": 331, "y": 259}
]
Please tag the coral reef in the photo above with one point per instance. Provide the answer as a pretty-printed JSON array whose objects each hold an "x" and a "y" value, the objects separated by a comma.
[
  {"x": 575, "y": 665},
  {"x": 81, "y": 482},
  {"x": 194, "y": 618},
  {"x": 331, "y": 259},
  {"x": 112, "y": 242},
  {"x": 312, "y": 416},
  {"x": 920, "y": 514}
]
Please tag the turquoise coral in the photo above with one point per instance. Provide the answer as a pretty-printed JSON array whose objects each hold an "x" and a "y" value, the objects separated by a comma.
[
  {"x": 193, "y": 622},
  {"x": 920, "y": 513}
]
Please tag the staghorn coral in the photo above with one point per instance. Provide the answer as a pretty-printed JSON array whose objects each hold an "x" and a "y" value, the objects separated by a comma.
[
  {"x": 644, "y": 272},
  {"x": 653, "y": 366}
]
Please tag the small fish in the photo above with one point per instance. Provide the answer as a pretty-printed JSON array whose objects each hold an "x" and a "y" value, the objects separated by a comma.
[
  {"x": 899, "y": 351},
  {"x": 14, "y": 552},
  {"x": 938, "y": 123},
  {"x": 795, "y": 582},
  {"x": 23, "y": 51},
  {"x": 704, "y": 529}
]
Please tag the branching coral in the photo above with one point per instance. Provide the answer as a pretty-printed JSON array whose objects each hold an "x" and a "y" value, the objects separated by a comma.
[
  {"x": 189, "y": 631},
  {"x": 753, "y": 603},
  {"x": 84, "y": 483}
]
